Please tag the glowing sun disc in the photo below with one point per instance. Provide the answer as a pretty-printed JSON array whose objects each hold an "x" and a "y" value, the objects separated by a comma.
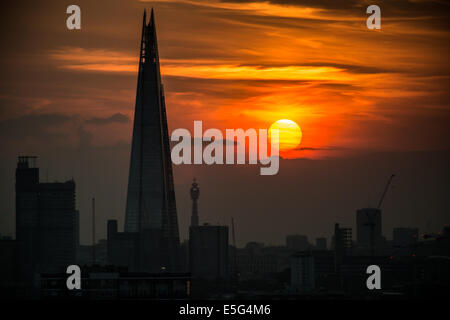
[{"x": 290, "y": 134}]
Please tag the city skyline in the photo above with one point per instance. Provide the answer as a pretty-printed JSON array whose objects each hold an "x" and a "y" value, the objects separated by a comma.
[
  {"x": 369, "y": 104},
  {"x": 353, "y": 224},
  {"x": 349, "y": 202}
]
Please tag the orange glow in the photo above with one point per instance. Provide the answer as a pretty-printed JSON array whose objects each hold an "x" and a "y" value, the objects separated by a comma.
[
  {"x": 246, "y": 64},
  {"x": 289, "y": 134}
]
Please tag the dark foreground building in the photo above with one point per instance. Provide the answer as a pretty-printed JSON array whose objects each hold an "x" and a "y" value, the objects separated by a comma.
[
  {"x": 121, "y": 247},
  {"x": 151, "y": 209},
  {"x": 46, "y": 222},
  {"x": 9, "y": 275},
  {"x": 208, "y": 252},
  {"x": 106, "y": 283}
]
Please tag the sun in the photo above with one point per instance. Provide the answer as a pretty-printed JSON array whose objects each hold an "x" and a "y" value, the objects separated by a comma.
[{"x": 290, "y": 134}]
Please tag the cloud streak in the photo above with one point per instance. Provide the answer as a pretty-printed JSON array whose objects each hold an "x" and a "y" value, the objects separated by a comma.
[
  {"x": 115, "y": 118},
  {"x": 246, "y": 64}
]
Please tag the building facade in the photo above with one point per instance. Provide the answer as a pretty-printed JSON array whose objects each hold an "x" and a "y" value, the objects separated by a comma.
[
  {"x": 46, "y": 222},
  {"x": 302, "y": 273},
  {"x": 112, "y": 283},
  {"x": 151, "y": 209},
  {"x": 208, "y": 252},
  {"x": 321, "y": 243},
  {"x": 297, "y": 242}
]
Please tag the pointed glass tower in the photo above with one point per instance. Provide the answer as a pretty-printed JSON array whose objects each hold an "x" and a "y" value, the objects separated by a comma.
[{"x": 151, "y": 209}]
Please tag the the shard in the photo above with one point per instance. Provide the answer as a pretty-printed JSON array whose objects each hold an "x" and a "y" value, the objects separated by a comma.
[{"x": 151, "y": 209}]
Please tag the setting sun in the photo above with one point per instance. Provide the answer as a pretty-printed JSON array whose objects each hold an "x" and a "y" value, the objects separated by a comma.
[{"x": 290, "y": 134}]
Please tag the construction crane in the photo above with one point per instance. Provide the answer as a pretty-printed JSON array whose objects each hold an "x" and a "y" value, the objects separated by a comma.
[
  {"x": 385, "y": 191},
  {"x": 370, "y": 218}
]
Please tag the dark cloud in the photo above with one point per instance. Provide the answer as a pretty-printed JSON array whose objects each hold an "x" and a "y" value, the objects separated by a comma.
[
  {"x": 397, "y": 7},
  {"x": 328, "y": 4},
  {"x": 362, "y": 69},
  {"x": 115, "y": 118},
  {"x": 33, "y": 125},
  {"x": 330, "y": 148},
  {"x": 204, "y": 143},
  {"x": 39, "y": 132}
]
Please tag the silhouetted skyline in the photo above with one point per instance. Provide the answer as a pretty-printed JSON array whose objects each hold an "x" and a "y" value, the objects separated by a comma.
[{"x": 381, "y": 106}]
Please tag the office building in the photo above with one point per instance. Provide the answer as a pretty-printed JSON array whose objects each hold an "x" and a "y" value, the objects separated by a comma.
[
  {"x": 321, "y": 243},
  {"x": 297, "y": 242},
  {"x": 46, "y": 222},
  {"x": 121, "y": 247},
  {"x": 302, "y": 273},
  {"x": 208, "y": 252},
  {"x": 151, "y": 210},
  {"x": 343, "y": 245}
]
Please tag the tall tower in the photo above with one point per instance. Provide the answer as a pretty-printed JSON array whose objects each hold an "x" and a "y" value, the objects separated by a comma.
[
  {"x": 195, "y": 192},
  {"x": 27, "y": 217},
  {"x": 151, "y": 209},
  {"x": 46, "y": 222}
]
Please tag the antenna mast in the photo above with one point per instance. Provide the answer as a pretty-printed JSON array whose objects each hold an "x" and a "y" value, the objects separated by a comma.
[
  {"x": 235, "y": 248},
  {"x": 93, "y": 231}
]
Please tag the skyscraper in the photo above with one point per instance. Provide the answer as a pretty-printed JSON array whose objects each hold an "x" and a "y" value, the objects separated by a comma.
[
  {"x": 46, "y": 222},
  {"x": 151, "y": 209},
  {"x": 195, "y": 192},
  {"x": 208, "y": 251}
]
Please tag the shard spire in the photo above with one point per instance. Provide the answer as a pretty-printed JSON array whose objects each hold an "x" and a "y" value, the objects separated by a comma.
[{"x": 151, "y": 208}]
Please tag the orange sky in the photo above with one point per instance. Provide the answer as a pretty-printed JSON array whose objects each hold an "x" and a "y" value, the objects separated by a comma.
[
  {"x": 68, "y": 96},
  {"x": 247, "y": 64}
]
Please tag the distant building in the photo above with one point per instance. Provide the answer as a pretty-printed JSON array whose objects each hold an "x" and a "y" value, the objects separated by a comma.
[
  {"x": 321, "y": 244},
  {"x": 342, "y": 240},
  {"x": 184, "y": 248},
  {"x": 121, "y": 247},
  {"x": 435, "y": 244},
  {"x": 405, "y": 237},
  {"x": 313, "y": 270},
  {"x": 46, "y": 221},
  {"x": 343, "y": 245},
  {"x": 195, "y": 193},
  {"x": 208, "y": 251},
  {"x": 324, "y": 268},
  {"x": 297, "y": 242},
  {"x": 77, "y": 233},
  {"x": 368, "y": 228},
  {"x": 302, "y": 273},
  {"x": 85, "y": 255},
  {"x": 101, "y": 252},
  {"x": 257, "y": 261}
]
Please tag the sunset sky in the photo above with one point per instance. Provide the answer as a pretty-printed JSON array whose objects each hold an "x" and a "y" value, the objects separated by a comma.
[{"x": 231, "y": 64}]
